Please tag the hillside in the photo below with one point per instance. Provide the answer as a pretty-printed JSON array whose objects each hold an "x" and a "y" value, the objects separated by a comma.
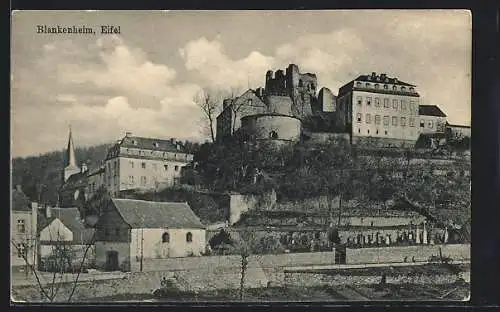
[{"x": 46, "y": 169}]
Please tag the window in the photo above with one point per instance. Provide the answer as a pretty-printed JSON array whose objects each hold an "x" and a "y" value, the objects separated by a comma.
[
  {"x": 385, "y": 132},
  {"x": 273, "y": 135},
  {"x": 143, "y": 180},
  {"x": 358, "y": 117},
  {"x": 21, "y": 228},
  {"x": 403, "y": 89},
  {"x": 368, "y": 101},
  {"x": 165, "y": 238},
  {"x": 131, "y": 180},
  {"x": 143, "y": 165},
  {"x": 403, "y": 122},
  {"x": 165, "y": 166},
  {"x": 411, "y": 89},
  {"x": 117, "y": 232},
  {"x": 176, "y": 168},
  {"x": 376, "y": 86},
  {"x": 403, "y": 105},
  {"x": 394, "y": 88},
  {"x": 394, "y": 121},
  {"x": 377, "y": 119},
  {"x": 412, "y": 106},
  {"x": 358, "y": 84},
  {"x": 386, "y": 120},
  {"x": 21, "y": 250},
  {"x": 368, "y": 131},
  {"x": 376, "y": 131},
  {"x": 430, "y": 124},
  {"x": 155, "y": 167},
  {"x": 368, "y": 118},
  {"x": 360, "y": 100},
  {"x": 386, "y": 103},
  {"x": 377, "y": 102},
  {"x": 189, "y": 237},
  {"x": 359, "y": 130},
  {"x": 367, "y": 84},
  {"x": 131, "y": 164},
  {"x": 422, "y": 123},
  {"x": 412, "y": 122},
  {"x": 395, "y": 104},
  {"x": 386, "y": 87},
  {"x": 106, "y": 232},
  {"x": 249, "y": 101},
  {"x": 155, "y": 144}
]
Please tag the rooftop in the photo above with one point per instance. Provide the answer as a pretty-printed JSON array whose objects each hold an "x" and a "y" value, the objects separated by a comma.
[
  {"x": 149, "y": 214},
  {"x": 71, "y": 218},
  {"x": 152, "y": 144},
  {"x": 430, "y": 110}
]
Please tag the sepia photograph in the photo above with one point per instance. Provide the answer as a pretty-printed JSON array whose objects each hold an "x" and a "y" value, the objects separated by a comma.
[{"x": 240, "y": 156}]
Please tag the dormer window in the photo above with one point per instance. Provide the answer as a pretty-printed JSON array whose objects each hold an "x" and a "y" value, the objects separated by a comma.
[
  {"x": 358, "y": 84},
  {"x": 386, "y": 87},
  {"x": 394, "y": 88},
  {"x": 249, "y": 101},
  {"x": 403, "y": 89},
  {"x": 367, "y": 84},
  {"x": 377, "y": 86},
  {"x": 134, "y": 142},
  {"x": 155, "y": 144},
  {"x": 411, "y": 89}
]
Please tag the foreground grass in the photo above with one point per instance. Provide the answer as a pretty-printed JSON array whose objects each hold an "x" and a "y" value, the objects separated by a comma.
[{"x": 447, "y": 292}]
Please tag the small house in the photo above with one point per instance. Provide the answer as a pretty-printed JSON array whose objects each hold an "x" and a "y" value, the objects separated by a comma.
[
  {"x": 65, "y": 238},
  {"x": 131, "y": 232}
]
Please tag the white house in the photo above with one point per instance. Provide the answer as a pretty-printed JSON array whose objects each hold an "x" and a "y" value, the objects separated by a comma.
[
  {"x": 131, "y": 232},
  {"x": 62, "y": 233}
]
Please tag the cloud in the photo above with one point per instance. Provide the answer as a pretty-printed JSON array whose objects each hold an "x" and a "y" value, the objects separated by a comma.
[
  {"x": 102, "y": 89},
  {"x": 209, "y": 60}
]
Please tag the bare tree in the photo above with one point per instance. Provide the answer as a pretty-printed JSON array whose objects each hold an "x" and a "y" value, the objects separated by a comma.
[
  {"x": 63, "y": 257},
  {"x": 209, "y": 102}
]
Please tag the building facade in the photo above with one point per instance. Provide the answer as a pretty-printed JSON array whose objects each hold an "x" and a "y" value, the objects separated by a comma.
[
  {"x": 131, "y": 232},
  {"x": 457, "y": 132},
  {"x": 23, "y": 241},
  {"x": 380, "y": 109},
  {"x": 64, "y": 236},
  {"x": 432, "y": 119},
  {"x": 144, "y": 163}
]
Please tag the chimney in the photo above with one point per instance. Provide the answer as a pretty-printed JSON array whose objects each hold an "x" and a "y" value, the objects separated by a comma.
[
  {"x": 128, "y": 134},
  {"x": 382, "y": 76},
  {"x": 19, "y": 188},
  {"x": 374, "y": 74},
  {"x": 48, "y": 212}
]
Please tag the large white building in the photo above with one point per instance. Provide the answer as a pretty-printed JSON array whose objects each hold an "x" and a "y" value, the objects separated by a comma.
[
  {"x": 144, "y": 163},
  {"x": 379, "y": 107}
]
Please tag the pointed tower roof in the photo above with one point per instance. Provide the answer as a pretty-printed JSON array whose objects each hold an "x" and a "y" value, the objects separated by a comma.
[{"x": 70, "y": 152}]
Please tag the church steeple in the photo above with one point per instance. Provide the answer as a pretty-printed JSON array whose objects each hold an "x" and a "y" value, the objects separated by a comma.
[
  {"x": 70, "y": 152},
  {"x": 70, "y": 165}
]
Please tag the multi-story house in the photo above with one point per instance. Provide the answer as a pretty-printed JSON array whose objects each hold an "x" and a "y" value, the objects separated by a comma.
[
  {"x": 23, "y": 231},
  {"x": 380, "y": 108},
  {"x": 432, "y": 119},
  {"x": 144, "y": 163}
]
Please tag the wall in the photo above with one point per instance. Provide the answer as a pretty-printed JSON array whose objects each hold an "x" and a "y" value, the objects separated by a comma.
[
  {"x": 432, "y": 124},
  {"x": 27, "y": 237},
  {"x": 324, "y": 137},
  {"x": 240, "y": 203},
  {"x": 397, "y": 254},
  {"x": 153, "y": 247},
  {"x": 76, "y": 251},
  {"x": 279, "y": 104},
  {"x": 326, "y": 100},
  {"x": 123, "y": 249},
  {"x": 261, "y": 126},
  {"x": 56, "y": 231}
]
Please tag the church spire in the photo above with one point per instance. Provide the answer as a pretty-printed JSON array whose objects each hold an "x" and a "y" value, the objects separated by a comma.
[{"x": 71, "y": 159}]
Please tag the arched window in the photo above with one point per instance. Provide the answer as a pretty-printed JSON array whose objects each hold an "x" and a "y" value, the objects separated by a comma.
[
  {"x": 165, "y": 238},
  {"x": 189, "y": 237},
  {"x": 394, "y": 88},
  {"x": 386, "y": 87},
  {"x": 376, "y": 86},
  {"x": 403, "y": 89}
]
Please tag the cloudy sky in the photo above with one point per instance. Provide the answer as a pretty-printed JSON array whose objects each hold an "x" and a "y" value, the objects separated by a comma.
[{"x": 145, "y": 79}]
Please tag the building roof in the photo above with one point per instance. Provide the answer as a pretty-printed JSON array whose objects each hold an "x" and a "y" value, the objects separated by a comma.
[
  {"x": 457, "y": 126},
  {"x": 430, "y": 110},
  {"x": 380, "y": 79},
  {"x": 149, "y": 214},
  {"x": 71, "y": 218},
  {"x": 152, "y": 144},
  {"x": 20, "y": 202}
]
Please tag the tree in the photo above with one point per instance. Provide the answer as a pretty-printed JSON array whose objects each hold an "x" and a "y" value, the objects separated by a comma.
[
  {"x": 209, "y": 102},
  {"x": 62, "y": 258},
  {"x": 96, "y": 204}
]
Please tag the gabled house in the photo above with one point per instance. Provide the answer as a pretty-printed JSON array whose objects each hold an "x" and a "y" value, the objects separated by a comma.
[
  {"x": 64, "y": 237},
  {"x": 23, "y": 226},
  {"x": 131, "y": 232}
]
